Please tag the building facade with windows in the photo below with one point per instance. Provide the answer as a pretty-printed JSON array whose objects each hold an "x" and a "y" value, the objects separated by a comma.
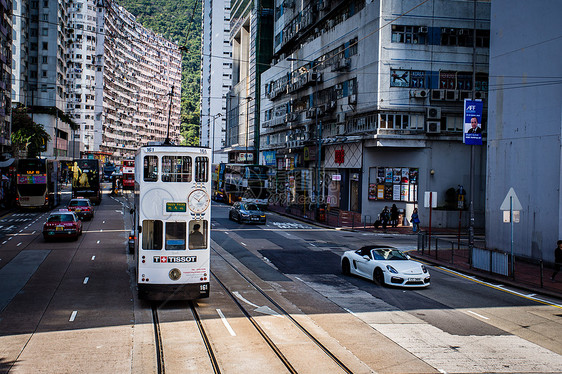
[
  {"x": 138, "y": 85},
  {"x": 363, "y": 105},
  {"x": 5, "y": 74},
  {"x": 216, "y": 76},
  {"x": 251, "y": 25}
]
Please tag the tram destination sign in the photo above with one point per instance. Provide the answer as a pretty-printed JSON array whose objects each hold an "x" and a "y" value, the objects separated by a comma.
[{"x": 176, "y": 207}]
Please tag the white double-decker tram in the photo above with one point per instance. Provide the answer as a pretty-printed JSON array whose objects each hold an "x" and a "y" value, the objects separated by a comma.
[{"x": 172, "y": 222}]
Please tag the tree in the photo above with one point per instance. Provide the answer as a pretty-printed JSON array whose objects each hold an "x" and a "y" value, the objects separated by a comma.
[{"x": 27, "y": 137}]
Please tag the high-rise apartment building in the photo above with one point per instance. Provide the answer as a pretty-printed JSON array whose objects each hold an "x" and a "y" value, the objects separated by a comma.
[
  {"x": 363, "y": 105},
  {"x": 5, "y": 73},
  {"x": 251, "y": 26},
  {"x": 216, "y": 75},
  {"x": 138, "y": 84},
  {"x": 90, "y": 61}
]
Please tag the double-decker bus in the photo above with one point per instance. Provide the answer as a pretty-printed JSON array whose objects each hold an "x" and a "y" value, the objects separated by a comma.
[
  {"x": 172, "y": 216},
  {"x": 128, "y": 170},
  {"x": 241, "y": 182},
  {"x": 86, "y": 179},
  {"x": 108, "y": 169},
  {"x": 37, "y": 184}
]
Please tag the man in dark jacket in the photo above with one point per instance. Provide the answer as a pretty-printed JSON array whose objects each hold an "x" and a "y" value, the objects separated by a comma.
[{"x": 557, "y": 259}]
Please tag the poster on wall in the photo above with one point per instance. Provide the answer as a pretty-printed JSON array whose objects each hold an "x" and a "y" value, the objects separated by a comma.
[
  {"x": 396, "y": 175},
  {"x": 405, "y": 176},
  {"x": 414, "y": 176},
  {"x": 388, "y": 175},
  {"x": 380, "y": 175},
  {"x": 380, "y": 191},
  {"x": 404, "y": 192},
  {"x": 372, "y": 191},
  {"x": 388, "y": 192},
  {"x": 396, "y": 192}
]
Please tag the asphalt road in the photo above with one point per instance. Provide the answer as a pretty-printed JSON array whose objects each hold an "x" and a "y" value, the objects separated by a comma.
[{"x": 68, "y": 307}]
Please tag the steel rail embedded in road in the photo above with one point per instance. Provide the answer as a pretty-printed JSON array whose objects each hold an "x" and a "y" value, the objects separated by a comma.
[
  {"x": 208, "y": 346},
  {"x": 281, "y": 309}
]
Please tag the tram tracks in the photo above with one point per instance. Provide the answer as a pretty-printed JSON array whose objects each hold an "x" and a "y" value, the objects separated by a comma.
[{"x": 217, "y": 359}]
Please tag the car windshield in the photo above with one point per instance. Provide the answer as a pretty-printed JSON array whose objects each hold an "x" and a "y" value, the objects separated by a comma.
[
  {"x": 251, "y": 207},
  {"x": 79, "y": 203},
  {"x": 388, "y": 254},
  {"x": 61, "y": 218}
]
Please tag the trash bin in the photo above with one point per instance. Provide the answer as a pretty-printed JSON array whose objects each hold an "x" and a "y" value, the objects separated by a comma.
[{"x": 321, "y": 214}]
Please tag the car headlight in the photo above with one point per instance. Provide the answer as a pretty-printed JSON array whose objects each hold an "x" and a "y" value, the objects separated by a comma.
[
  {"x": 424, "y": 269},
  {"x": 245, "y": 214},
  {"x": 391, "y": 269}
]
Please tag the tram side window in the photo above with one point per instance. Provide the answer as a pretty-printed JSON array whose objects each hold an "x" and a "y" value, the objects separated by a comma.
[
  {"x": 176, "y": 169},
  {"x": 175, "y": 235},
  {"x": 152, "y": 234},
  {"x": 201, "y": 169},
  {"x": 150, "y": 168},
  {"x": 198, "y": 234}
]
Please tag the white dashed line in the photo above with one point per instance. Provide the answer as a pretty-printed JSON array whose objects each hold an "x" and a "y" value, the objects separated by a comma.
[
  {"x": 225, "y": 322},
  {"x": 476, "y": 314},
  {"x": 86, "y": 280},
  {"x": 73, "y": 316},
  {"x": 93, "y": 258}
]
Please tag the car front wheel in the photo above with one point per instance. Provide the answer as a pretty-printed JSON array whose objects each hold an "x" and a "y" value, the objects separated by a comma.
[
  {"x": 345, "y": 268},
  {"x": 378, "y": 277}
]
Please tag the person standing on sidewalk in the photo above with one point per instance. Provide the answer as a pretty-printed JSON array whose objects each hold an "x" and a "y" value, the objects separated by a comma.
[
  {"x": 557, "y": 259},
  {"x": 415, "y": 220}
]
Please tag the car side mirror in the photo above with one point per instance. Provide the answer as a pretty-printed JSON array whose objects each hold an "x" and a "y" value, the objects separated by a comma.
[
  {"x": 367, "y": 258},
  {"x": 140, "y": 229}
]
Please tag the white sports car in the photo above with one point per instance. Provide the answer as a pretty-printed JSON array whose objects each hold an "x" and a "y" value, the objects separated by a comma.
[{"x": 385, "y": 265}]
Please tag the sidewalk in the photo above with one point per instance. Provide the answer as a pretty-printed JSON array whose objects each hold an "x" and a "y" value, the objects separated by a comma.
[{"x": 529, "y": 276}]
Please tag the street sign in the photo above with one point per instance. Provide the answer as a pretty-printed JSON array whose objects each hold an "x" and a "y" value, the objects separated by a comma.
[
  {"x": 430, "y": 196},
  {"x": 506, "y": 205}
]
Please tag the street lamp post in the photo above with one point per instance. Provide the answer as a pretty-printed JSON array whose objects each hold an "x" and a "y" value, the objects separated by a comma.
[
  {"x": 167, "y": 141},
  {"x": 212, "y": 140}
]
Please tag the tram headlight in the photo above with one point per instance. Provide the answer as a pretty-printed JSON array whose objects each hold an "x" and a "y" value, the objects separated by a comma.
[{"x": 174, "y": 274}]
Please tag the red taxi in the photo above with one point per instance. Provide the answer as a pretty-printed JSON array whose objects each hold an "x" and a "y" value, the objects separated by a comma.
[
  {"x": 82, "y": 207},
  {"x": 62, "y": 224}
]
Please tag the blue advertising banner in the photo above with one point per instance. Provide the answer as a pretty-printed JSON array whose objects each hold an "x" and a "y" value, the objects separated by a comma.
[
  {"x": 472, "y": 133},
  {"x": 269, "y": 158}
]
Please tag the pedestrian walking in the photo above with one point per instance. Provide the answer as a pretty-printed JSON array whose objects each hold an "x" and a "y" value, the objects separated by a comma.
[
  {"x": 415, "y": 220},
  {"x": 394, "y": 215},
  {"x": 557, "y": 259},
  {"x": 385, "y": 217}
]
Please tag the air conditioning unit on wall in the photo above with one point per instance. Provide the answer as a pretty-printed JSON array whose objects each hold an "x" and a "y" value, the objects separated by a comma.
[
  {"x": 437, "y": 94},
  {"x": 433, "y": 127},
  {"x": 433, "y": 113}
]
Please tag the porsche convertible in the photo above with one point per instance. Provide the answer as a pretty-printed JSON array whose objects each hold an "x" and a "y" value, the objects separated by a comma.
[{"x": 386, "y": 266}]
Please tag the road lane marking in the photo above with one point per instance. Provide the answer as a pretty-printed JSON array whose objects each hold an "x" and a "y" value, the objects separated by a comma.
[
  {"x": 244, "y": 244},
  {"x": 476, "y": 314},
  {"x": 98, "y": 242},
  {"x": 225, "y": 322},
  {"x": 500, "y": 288},
  {"x": 93, "y": 258},
  {"x": 86, "y": 280},
  {"x": 20, "y": 243},
  {"x": 4, "y": 242},
  {"x": 237, "y": 294},
  {"x": 73, "y": 316},
  {"x": 33, "y": 232}
]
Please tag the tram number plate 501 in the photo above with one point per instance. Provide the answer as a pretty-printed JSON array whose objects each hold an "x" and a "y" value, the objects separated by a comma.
[{"x": 174, "y": 259}]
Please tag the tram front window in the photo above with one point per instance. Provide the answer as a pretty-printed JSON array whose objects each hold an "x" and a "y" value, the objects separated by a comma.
[
  {"x": 175, "y": 235},
  {"x": 152, "y": 234},
  {"x": 198, "y": 234},
  {"x": 150, "y": 168},
  {"x": 176, "y": 169}
]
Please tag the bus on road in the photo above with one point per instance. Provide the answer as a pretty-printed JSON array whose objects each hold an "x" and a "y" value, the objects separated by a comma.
[
  {"x": 37, "y": 183},
  {"x": 86, "y": 179},
  {"x": 172, "y": 222},
  {"x": 241, "y": 182}
]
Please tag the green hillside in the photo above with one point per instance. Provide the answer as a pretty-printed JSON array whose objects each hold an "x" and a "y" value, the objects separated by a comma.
[{"x": 179, "y": 21}]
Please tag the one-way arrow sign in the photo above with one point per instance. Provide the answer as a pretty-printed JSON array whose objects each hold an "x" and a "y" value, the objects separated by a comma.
[{"x": 515, "y": 201}]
